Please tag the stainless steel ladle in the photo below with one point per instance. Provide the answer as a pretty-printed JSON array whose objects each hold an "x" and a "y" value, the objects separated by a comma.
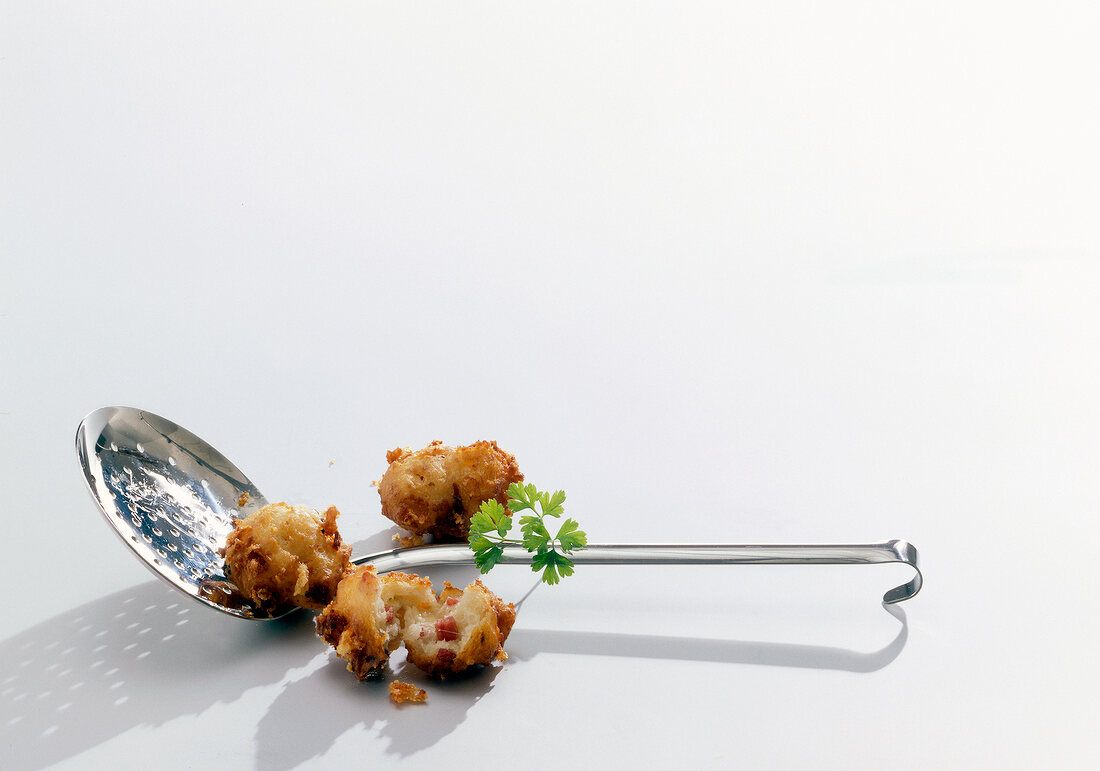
[{"x": 172, "y": 498}]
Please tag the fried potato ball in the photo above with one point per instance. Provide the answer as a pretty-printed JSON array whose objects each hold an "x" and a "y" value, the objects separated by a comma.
[
  {"x": 445, "y": 634},
  {"x": 436, "y": 490},
  {"x": 283, "y": 555}
]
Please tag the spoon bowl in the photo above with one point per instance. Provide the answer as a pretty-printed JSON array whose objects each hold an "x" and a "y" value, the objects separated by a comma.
[{"x": 170, "y": 496}]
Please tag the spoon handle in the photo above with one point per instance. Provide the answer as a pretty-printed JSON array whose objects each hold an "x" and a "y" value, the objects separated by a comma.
[{"x": 678, "y": 554}]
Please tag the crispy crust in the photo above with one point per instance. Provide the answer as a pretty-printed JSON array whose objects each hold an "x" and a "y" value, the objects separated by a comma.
[
  {"x": 435, "y": 490},
  {"x": 445, "y": 634},
  {"x": 408, "y": 541},
  {"x": 283, "y": 555}
]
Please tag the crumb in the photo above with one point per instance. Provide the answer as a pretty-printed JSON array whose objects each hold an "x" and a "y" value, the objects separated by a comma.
[
  {"x": 243, "y": 499},
  {"x": 408, "y": 541},
  {"x": 332, "y": 463},
  {"x": 374, "y": 483},
  {"x": 402, "y": 692}
]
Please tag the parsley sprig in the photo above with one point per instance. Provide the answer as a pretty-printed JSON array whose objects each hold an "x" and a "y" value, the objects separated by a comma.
[{"x": 489, "y": 527}]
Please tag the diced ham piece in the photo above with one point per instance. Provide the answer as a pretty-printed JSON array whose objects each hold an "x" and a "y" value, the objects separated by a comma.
[
  {"x": 446, "y": 629},
  {"x": 445, "y": 656}
]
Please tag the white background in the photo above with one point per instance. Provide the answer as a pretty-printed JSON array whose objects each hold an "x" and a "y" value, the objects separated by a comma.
[{"x": 766, "y": 272}]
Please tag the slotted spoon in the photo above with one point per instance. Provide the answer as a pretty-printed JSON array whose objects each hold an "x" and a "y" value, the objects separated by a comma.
[{"x": 172, "y": 498}]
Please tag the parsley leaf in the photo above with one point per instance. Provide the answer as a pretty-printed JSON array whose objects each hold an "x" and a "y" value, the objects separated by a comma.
[
  {"x": 552, "y": 563},
  {"x": 487, "y": 557},
  {"x": 570, "y": 536}
]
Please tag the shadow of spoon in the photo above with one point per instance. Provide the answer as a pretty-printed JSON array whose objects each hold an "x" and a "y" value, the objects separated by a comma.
[{"x": 146, "y": 656}]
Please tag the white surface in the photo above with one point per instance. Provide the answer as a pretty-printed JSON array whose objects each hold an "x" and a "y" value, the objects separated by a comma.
[{"x": 794, "y": 273}]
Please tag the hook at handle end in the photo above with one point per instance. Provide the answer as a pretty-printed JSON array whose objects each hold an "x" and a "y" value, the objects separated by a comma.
[{"x": 903, "y": 551}]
